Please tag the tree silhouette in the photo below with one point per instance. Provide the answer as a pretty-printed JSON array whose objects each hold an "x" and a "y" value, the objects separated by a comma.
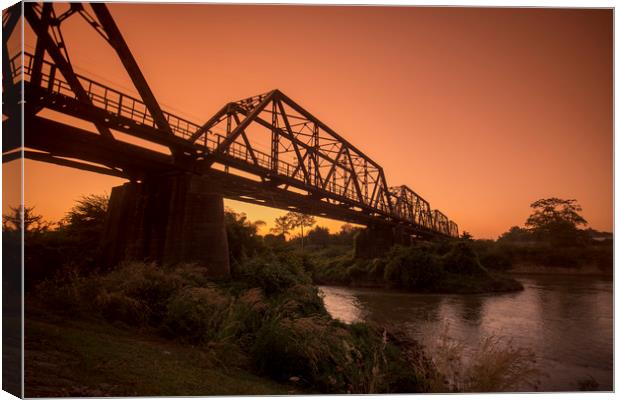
[
  {"x": 299, "y": 220},
  {"x": 32, "y": 223},
  {"x": 292, "y": 220},
  {"x": 556, "y": 220},
  {"x": 283, "y": 225},
  {"x": 87, "y": 215},
  {"x": 466, "y": 236}
]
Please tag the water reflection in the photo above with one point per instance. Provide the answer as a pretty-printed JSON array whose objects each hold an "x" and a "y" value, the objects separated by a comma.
[{"x": 565, "y": 320}]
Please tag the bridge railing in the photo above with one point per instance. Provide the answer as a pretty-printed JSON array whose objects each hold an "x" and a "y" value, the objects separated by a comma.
[{"x": 113, "y": 101}]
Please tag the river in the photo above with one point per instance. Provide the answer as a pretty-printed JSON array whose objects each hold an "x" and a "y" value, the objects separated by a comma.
[{"x": 566, "y": 321}]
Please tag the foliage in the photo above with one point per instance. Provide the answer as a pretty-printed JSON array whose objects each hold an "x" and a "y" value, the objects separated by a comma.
[
  {"x": 319, "y": 237},
  {"x": 196, "y": 313},
  {"x": 334, "y": 357},
  {"x": 273, "y": 273},
  {"x": 81, "y": 230},
  {"x": 26, "y": 218},
  {"x": 87, "y": 216},
  {"x": 42, "y": 247},
  {"x": 446, "y": 266},
  {"x": 293, "y": 220},
  {"x": 496, "y": 366},
  {"x": 516, "y": 234},
  {"x": 552, "y": 210},
  {"x": 243, "y": 238},
  {"x": 413, "y": 267},
  {"x": 462, "y": 259},
  {"x": 270, "y": 317},
  {"x": 466, "y": 236},
  {"x": 556, "y": 220},
  {"x": 282, "y": 225}
]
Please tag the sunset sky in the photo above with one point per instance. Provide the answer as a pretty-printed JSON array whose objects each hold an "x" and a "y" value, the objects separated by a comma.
[{"x": 481, "y": 111}]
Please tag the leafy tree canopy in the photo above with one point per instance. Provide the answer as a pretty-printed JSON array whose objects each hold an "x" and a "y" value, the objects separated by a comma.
[
  {"x": 556, "y": 220},
  {"x": 555, "y": 210}
]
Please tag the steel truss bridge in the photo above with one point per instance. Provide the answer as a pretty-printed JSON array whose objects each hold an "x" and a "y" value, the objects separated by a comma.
[{"x": 265, "y": 149}]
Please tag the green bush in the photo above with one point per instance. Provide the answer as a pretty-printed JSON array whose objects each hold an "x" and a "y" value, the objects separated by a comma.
[
  {"x": 333, "y": 270},
  {"x": 334, "y": 357},
  {"x": 196, "y": 314},
  {"x": 272, "y": 274},
  {"x": 117, "y": 306},
  {"x": 495, "y": 259},
  {"x": 412, "y": 267},
  {"x": 147, "y": 284},
  {"x": 461, "y": 259}
]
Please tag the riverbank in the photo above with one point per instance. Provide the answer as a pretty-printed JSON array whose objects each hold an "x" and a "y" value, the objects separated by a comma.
[
  {"x": 268, "y": 327},
  {"x": 538, "y": 269},
  {"x": 455, "y": 284},
  {"x": 445, "y": 267}
]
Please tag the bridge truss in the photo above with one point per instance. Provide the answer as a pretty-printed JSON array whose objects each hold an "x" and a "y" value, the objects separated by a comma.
[{"x": 265, "y": 149}]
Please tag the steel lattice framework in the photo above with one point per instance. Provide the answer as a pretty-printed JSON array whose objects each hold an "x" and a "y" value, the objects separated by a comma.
[{"x": 268, "y": 143}]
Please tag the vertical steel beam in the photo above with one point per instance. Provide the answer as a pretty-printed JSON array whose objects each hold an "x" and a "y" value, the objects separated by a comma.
[{"x": 275, "y": 138}]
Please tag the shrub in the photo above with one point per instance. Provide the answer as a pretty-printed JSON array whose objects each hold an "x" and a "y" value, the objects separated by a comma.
[
  {"x": 311, "y": 348},
  {"x": 196, "y": 313},
  {"x": 462, "y": 259},
  {"x": 412, "y": 267},
  {"x": 146, "y": 283},
  {"x": 272, "y": 274},
  {"x": 495, "y": 259},
  {"x": 359, "y": 269},
  {"x": 117, "y": 306}
]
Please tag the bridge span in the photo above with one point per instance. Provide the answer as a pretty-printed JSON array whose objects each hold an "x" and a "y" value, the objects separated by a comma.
[{"x": 266, "y": 149}]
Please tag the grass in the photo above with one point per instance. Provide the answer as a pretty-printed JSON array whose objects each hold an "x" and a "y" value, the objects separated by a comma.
[
  {"x": 496, "y": 365},
  {"x": 92, "y": 358}
]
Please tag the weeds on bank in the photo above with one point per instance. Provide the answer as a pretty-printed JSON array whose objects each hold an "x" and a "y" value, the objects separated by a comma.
[{"x": 496, "y": 365}]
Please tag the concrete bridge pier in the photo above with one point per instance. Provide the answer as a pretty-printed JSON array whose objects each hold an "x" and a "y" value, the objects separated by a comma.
[
  {"x": 167, "y": 220},
  {"x": 376, "y": 240}
]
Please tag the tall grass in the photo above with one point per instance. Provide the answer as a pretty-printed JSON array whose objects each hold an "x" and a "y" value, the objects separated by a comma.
[{"x": 494, "y": 365}]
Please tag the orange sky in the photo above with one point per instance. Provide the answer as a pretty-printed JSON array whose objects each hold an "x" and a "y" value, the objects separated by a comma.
[{"x": 481, "y": 111}]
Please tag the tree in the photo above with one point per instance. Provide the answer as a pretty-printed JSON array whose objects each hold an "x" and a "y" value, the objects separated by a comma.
[
  {"x": 243, "y": 239},
  {"x": 319, "y": 236},
  {"x": 42, "y": 258},
  {"x": 282, "y": 225},
  {"x": 87, "y": 216},
  {"x": 466, "y": 236},
  {"x": 32, "y": 223},
  {"x": 516, "y": 234},
  {"x": 347, "y": 234},
  {"x": 293, "y": 220},
  {"x": 556, "y": 220}
]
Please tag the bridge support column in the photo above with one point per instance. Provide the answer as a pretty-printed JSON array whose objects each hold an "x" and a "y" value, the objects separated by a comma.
[
  {"x": 376, "y": 241},
  {"x": 167, "y": 220}
]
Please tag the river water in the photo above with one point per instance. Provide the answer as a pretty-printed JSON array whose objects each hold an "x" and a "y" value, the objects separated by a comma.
[{"x": 566, "y": 321}]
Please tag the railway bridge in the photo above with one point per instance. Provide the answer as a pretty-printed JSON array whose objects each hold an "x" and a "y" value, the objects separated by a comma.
[{"x": 266, "y": 149}]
